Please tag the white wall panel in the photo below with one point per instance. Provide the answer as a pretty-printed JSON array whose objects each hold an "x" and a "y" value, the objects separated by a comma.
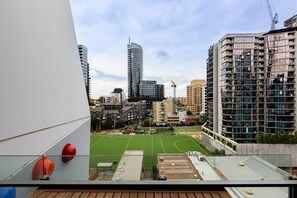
[{"x": 41, "y": 80}]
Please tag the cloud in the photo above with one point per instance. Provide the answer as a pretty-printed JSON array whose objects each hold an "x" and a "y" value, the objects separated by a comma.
[
  {"x": 104, "y": 86},
  {"x": 162, "y": 55},
  {"x": 96, "y": 74},
  {"x": 175, "y": 35}
]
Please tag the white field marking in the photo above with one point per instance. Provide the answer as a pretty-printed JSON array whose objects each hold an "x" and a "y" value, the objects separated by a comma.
[
  {"x": 96, "y": 142},
  {"x": 197, "y": 144},
  {"x": 162, "y": 144},
  {"x": 177, "y": 146},
  {"x": 128, "y": 143}
]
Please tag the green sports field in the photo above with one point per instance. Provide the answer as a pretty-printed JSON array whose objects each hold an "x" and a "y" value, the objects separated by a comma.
[{"x": 109, "y": 148}]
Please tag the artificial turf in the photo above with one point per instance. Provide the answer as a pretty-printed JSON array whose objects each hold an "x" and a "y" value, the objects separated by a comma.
[{"x": 109, "y": 148}]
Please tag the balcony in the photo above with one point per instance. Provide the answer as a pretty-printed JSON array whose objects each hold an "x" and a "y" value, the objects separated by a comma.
[{"x": 189, "y": 174}]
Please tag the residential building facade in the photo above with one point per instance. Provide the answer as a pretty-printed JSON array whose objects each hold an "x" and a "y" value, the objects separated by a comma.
[
  {"x": 161, "y": 110},
  {"x": 135, "y": 69},
  {"x": 204, "y": 99},
  {"x": 181, "y": 100},
  {"x": 255, "y": 74},
  {"x": 83, "y": 54},
  {"x": 194, "y": 96}
]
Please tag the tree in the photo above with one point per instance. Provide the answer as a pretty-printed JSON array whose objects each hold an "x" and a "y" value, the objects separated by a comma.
[
  {"x": 146, "y": 122},
  {"x": 92, "y": 102},
  {"x": 189, "y": 112},
  {"x": 204, "y": 118},
  {"x": 120, "y": 124},
  {"x": 108, "y": 124}
]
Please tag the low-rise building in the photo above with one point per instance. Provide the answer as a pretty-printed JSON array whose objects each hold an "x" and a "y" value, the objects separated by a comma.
[
  {"x": 191, "y": 120},
  {"x": 173, "y": 119},
  {"x": 133, "y": 112},
  {"x": 161, "y": 110}
]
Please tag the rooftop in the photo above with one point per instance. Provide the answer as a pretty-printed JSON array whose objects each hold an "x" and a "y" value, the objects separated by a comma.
[{"x": 130, "y": 166}]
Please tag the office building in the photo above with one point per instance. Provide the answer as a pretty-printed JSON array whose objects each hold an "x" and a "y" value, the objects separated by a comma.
[
  {"x": 149, "y": 89},
  {"x": 135, "y": 69},
  {"x": 251, "y": 84},
  {"x": 83, "y": 54},
  {"x": 194, "y": 96}
]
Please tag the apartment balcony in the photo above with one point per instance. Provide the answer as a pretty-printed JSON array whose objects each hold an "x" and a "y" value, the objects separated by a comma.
[
  {"x": 228, "y": 42},
  {"x": 227, "y": 60},
  {"x": 227, "y": 53},
  {"x": 259, "y": 41},
  {"x": 228, "y": 47},
  {"x": 291, "y": 42}
]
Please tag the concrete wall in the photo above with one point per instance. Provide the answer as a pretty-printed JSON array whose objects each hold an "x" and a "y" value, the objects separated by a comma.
[
  {"x": 212, "y": 144},
  {"x": 281, "y": 155}
]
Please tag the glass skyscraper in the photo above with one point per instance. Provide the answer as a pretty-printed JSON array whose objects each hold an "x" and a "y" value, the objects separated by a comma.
[{"x": 135, "y": 69}]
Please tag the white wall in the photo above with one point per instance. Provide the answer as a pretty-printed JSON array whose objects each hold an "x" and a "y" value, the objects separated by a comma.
[
  {"x": 43, "y": 103},
  {"x": 41, "y": 79}
]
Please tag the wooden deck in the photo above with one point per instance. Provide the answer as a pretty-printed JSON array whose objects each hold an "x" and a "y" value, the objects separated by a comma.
[{"x": 52, "y": 193}]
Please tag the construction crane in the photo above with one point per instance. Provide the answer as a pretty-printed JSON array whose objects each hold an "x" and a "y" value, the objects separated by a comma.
[
  {"x": 173, "y": 85},
  {"x": 274, "y": 20}
]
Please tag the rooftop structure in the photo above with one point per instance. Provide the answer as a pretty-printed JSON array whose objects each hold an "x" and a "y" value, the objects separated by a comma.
[
  {"x": 130, "y": 166},
  {"x": 176, "y": 167},
  {"x": 241, "y": 167},
  {"x": 291, "y": 22}
]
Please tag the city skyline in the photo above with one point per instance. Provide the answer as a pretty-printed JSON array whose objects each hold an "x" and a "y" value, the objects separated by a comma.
[{"x": 175, "y": 35}]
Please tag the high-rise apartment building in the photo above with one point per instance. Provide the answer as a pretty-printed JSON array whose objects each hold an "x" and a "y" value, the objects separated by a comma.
[
  {"x": 135, "y": 69},
  {"x": 194, "y": 96},
  {"x": 251, "y": 84},
  {"x": 204, "y": 99},
  {"x": 83, "y": 54}
]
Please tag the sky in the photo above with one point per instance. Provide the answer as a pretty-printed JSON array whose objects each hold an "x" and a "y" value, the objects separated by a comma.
[{"x": 175, "y": 36}]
